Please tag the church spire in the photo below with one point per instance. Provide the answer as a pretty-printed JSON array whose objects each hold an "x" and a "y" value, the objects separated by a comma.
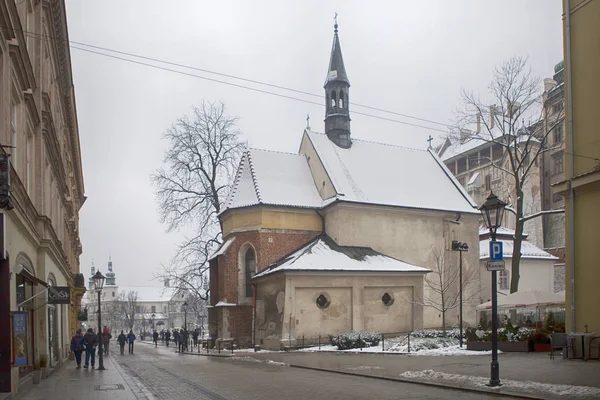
[{"x": 337, "y": 114}]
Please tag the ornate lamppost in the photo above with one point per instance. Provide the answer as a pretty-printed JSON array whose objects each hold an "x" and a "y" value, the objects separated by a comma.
[
  {"x": 492, "y": 211},
  {"x": 460, "y": 247},
  {"x": 98, "y": 285}
]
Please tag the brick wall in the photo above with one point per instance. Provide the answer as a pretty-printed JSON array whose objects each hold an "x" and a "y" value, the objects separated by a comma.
[{"x": 270, "y": 246}]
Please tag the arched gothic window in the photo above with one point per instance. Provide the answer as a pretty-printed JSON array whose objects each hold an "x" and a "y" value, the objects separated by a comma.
[
  {"x": 250, "y": 269},
  {"x": 333, "y": 99},
  {"x": 342, "y": 99}
]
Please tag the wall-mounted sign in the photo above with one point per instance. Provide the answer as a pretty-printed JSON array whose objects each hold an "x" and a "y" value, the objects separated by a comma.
[
  {"x": 20, "y": 337},
  {"x": 59, "y": 295}
]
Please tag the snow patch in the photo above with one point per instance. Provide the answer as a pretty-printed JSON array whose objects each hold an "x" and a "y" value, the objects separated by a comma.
[{"x": 567, "y": 391}]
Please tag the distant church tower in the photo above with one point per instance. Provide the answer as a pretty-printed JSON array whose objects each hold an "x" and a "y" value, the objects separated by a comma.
[
  {"x": 337, "y": 85},
  {"x": 91, "y": 280},
  {"x": 110, "y": 275}
]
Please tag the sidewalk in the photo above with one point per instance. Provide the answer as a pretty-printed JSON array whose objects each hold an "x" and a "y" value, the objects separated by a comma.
[
  {"x": 534, "y": 374},
  {"x": 69, "y": 383}
]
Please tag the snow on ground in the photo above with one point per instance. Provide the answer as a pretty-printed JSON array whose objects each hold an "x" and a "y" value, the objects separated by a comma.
[
  {"x": 567, "y": 391},
  {"x": 256, "y": 360}
]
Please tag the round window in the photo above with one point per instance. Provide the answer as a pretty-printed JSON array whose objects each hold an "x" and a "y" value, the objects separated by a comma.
[
  {"x": 322, "y": 301},
  {"x": 387, "y": 299}
]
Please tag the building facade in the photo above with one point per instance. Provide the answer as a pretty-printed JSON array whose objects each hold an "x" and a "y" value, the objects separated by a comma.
[
  {"x": 336, "y": 237},
  {"x": 142, "y": 308},
  {"x": 581, "y": 187},
  {"x": 41, "y": 233}
]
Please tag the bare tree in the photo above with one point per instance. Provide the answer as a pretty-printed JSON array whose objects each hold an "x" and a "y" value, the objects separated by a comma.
[
  {"x": 129, "y": 307},
  {"x": 515, "y": 98},
  {"x": 200, "y": 163},
  {"x": 443, "y": 285}
]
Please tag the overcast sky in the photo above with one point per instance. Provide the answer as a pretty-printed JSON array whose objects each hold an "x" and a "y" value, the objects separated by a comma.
[{"x": 411, "y": 57}]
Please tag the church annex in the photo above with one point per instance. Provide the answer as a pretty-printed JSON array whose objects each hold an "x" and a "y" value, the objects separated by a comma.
[{"x": 337, "y": 237}]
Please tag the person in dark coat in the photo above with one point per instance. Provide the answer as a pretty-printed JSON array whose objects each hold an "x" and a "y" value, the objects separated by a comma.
[
  {"x": 167, "y": 337},
  {"x": 155, "y": 338},
  {"x": 195, "y": 336},
  {"x": 122, "y": 339},
  {"x": 90, "y": 342},
  {"x": 130, "y": 340},
  {"x": 176, "y": 338},
  {"x": 77, "y": 347}
]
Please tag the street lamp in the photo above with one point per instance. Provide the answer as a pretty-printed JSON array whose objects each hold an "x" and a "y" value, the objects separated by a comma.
[
  {"x": 460, "y": 247},
  {"x": 185, "y": 307},
  {"x": 492, "y": 211},
  {"x": 98, "y": 285}
]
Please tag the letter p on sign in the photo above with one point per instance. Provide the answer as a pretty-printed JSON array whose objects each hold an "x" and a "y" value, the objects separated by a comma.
[{"x": 496, "y": 251}]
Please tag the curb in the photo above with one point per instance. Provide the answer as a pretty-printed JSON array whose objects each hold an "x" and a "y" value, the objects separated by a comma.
[
  {"x": 434, "y": 384},
  {"x": 193, "y": 354}
]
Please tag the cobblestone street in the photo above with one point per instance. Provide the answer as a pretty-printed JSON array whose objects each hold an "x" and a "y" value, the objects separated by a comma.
[{"x": 160, "y": 373}]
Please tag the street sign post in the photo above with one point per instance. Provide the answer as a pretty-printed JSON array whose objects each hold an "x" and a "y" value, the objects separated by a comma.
[
  {"x": 495, "y": 265},
  {"x": 496, "y": 251}
]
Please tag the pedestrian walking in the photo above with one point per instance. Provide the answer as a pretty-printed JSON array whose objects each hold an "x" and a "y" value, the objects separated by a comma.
[
  {"x": 130, "y": 340},
  {"x": 77, "y": 347},
  {"x": 122, "y": 339},
  {"x": 176, "y": 338},
  {"x": 195, "y": 336},
  {"x": 106, "y": 336},
  {"x": 155, "y": 337},
  {"x": 90, "y": 341},
  {"x": 167, "y": 337}
]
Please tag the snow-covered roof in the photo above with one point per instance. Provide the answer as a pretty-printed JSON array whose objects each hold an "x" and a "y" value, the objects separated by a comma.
[
  {"x": 528, "y": 250},
  {"x": 378, "y": 173},
  {"x": 150, "y": 293},
  {"x": 275, "y": 178},
  {"x": 222, "y": 249},
  {"x": 324, "y": 255},
  {"x": 526, "y": 299}
]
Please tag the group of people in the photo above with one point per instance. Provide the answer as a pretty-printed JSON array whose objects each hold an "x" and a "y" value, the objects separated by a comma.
[
  {"x": 181, "y": 337},
  {"x": 89, "y": 342}
]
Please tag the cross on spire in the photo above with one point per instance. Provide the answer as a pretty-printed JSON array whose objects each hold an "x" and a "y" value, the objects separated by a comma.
[
  {"x": 308, "y": 121},
  {"x": 430, "y": 139},
  {"x": 335, "y": 22}
]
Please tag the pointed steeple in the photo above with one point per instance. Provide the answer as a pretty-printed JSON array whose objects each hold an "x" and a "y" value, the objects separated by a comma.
[
  {"x": 91, "y": 279},
  {"x": 337, "y": 85},
  {"x": 110, "y": 275}
]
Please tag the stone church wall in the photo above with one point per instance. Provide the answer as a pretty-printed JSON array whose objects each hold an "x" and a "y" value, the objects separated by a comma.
[{"x": 412, "y": 236}]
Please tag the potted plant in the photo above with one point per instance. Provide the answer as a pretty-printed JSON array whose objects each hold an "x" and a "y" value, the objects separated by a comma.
[
  {"x": 44, "y": 365},
  {"x": 37, "y": 373},
  {"x": 541, "y": 341}
]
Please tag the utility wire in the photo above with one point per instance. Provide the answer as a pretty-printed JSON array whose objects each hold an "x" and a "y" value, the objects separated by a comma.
[
  {"x": 249, "y": 88},
  {"x": 71, "y": 42}
]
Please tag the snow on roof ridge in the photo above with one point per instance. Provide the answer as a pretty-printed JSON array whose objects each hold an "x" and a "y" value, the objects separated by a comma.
[
  {"x": 254, "y": 180},
  {"x": 275, "y": 151},
  {"x": 234, "y": 187},
  {"x": 374, "y": 142}
]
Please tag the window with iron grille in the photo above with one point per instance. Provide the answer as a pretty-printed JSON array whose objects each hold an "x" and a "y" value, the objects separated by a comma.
[{"x": 503, "y": 280}]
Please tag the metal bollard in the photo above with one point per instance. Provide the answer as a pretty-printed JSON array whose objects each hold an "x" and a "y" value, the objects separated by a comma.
[
  {"x": 382, "y": 342},
  {"x": 360, "y": 342},
  {"x": 319, "y": 341},
  {"x": 302, "y": 341},
  {"x": 409, "y": 342}
]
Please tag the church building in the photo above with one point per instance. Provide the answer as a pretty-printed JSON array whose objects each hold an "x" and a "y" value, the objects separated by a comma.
[{"x": 336, "y": 237}]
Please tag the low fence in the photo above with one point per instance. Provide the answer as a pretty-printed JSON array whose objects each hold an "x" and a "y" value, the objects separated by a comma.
[{"x": 401, "y": 338}]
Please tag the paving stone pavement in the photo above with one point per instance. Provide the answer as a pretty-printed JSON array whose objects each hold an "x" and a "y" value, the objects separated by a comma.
[{"x": 161, "y": 373}]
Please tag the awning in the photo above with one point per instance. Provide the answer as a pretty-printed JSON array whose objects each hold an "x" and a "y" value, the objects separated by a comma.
[
  {"x": 526, "y": 299},
  {"x": 33, "y": 278}
]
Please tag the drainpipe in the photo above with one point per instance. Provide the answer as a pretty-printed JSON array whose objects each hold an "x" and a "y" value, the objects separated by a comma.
[
  {"x": 253, "y": 314},
  {"x": 567, "y": 6}
]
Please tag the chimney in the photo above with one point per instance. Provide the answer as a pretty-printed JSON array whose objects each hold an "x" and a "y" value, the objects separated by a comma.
[
  {"x": 549, "y": 84},
  {"x": 492, "y": 115},
  {"x": 478, "y": 122}
]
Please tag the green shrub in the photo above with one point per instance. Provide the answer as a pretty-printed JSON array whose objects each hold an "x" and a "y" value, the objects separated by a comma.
[
  {"x": 355, "y": 340},
  {"x": 540, "y": 337}
]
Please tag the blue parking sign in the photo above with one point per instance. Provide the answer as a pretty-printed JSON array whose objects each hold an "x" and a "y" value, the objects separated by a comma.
[{"x": 496, "y": 251}]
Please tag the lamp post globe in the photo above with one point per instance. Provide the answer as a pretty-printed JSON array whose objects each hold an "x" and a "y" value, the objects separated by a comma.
[
  {"x": 493, "y": 211},
  {"x": 98, "y": 285}
]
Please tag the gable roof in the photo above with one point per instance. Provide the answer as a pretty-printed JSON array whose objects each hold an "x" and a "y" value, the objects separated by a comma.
[
  {"x": 322, "y": 254},
  {"x": 378, "y": 173},
  {"x": 275, "y": 178}
]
